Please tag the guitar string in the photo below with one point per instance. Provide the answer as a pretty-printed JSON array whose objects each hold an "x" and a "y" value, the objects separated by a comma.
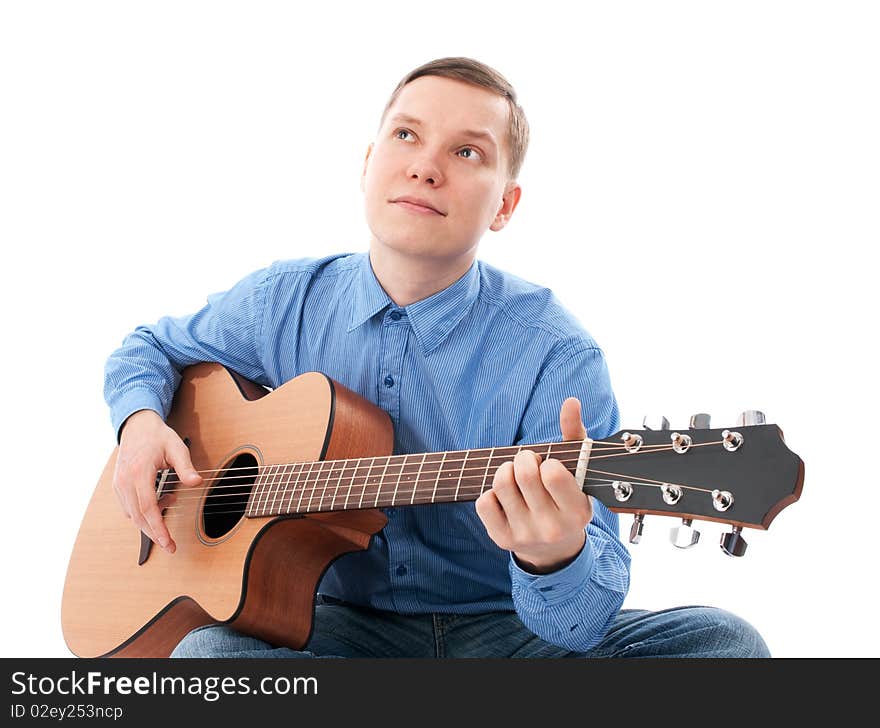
[
  {"x": 193, "y": 494},
  {"x": 598, "y": 446},
  {"x": 264, "y": 496},
  {"x": 647, "y": 482},
  {"x": 179, "y": 511},
  {"x": 280, "y": 474}
]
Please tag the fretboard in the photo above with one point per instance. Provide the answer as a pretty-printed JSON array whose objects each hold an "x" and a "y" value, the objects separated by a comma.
[{"x": 384, "y": 481}]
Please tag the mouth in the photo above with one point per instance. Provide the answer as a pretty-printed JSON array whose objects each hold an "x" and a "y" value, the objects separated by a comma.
[{"x": 417, "y": 205}]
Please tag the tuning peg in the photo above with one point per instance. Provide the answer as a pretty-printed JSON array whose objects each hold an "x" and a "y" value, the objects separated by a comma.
[
  {"x": 750, "y": 417},
  {"x": 685, "y": 535},
  {"x": 700, "y": 421},
  {"x": 635, "y": 532},
  {"x": 733, "y": 544},
  {"x": 661, "y": 421}
]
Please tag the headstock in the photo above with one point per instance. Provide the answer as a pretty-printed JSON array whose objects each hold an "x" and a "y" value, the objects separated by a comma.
[{"x": 742, "y": 475}]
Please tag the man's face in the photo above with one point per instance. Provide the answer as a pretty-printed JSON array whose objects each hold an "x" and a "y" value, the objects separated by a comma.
[{"x": 443, "y": 142}]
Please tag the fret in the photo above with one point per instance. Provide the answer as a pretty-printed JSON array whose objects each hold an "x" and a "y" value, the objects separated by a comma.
[
  {"x": 277, "y": 488},
  {"x": 562, "y": 451},
  {"x": 437, "y": 479},
  {"x": 486, "y": 474},
  {"x": 338, "y": 466},
  {"x": 381, "y": 481},
  {"x": 314, "y": 486},
  {"x": 276, "y": 477},
  {"x": 448, "y": 473},
  {"x": 264, "y": 501},
  {"x": 258, "y": 491},
  {"x": 363, "y": 490},
  {"x": 460, "y": 475},
  {"x": 255, "y": 495},
  {"x": 402, "y": 465},
  {"x": 338, "y": 483},
  {"x": 412, "y": 500},
  {"x": 326, "y": 479},
  {"x": 304, "y": 486},
  {"x": 428, "y": 475},
  {"x": 289, "y": 508},
  {"x": 288, "y": 471},
  {"x": 350, "y": 486},
  {"x": 365, "y": 484},
  {"x": 376, "y": 480},
  {"x": 473, "y": 480}
]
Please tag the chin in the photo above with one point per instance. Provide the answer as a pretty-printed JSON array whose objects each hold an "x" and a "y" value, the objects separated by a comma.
[{"x": 408, "y": 246}]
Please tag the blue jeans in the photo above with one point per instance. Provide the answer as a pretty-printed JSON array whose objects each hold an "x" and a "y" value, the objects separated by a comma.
[{"x": 342, "y": 630}]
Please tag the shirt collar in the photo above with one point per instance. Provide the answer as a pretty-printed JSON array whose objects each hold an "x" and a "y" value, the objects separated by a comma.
[
  {"x": 367, "y": 297},
  {"x": 432, "y": 318}
]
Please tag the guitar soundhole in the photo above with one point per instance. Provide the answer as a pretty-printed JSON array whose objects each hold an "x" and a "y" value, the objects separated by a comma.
[{"x": 225, "y": 504}]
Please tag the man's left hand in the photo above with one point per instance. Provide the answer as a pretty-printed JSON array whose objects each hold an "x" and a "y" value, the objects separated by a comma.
[{"x": 536, "y": 509}]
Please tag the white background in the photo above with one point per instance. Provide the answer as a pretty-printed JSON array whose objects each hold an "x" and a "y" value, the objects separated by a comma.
[{"x": 701, "y": 191}]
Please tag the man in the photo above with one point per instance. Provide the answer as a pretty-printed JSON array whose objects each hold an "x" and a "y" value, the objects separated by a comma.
[{"x": 460, "y": 355}]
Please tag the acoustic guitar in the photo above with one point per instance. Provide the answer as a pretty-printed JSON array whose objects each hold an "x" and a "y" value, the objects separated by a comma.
[{"x": 293, "y": 478}]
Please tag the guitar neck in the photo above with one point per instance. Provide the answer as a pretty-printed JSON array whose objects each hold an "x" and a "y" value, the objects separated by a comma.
[
  {"x": 384, "y": 481},
  {"x": 743, "y": 477}
]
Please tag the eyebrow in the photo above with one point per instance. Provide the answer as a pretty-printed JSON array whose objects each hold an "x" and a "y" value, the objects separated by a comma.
[{"x": 473, "y": 133}]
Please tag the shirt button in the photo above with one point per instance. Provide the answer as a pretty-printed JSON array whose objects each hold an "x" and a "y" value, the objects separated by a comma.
[
  {"x": 396, "y": 315},
  {"x": 401, "y": 570},
  {"x": 389, "y": 381}
]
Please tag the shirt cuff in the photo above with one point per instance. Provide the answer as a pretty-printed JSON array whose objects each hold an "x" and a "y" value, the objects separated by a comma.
[
  {"x": 558, "y": 585},
  {"x": 131, "y": 402}
]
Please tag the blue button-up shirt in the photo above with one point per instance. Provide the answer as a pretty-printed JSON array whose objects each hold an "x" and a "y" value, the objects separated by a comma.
[{"x": 486, "y": 362}]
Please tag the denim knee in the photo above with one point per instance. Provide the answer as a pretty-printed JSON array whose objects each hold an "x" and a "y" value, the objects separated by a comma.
[
  {"x": 213, "y": 640},
  {"x": 726, "y": 635}
]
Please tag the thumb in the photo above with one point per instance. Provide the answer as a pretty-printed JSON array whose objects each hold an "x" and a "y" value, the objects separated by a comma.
[
  {"x": 178, "y": 456},
  {"x": 570, "y": 421}
]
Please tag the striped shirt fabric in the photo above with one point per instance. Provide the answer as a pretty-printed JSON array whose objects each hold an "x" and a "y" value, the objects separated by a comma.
[{"x": 486, "y": 362}]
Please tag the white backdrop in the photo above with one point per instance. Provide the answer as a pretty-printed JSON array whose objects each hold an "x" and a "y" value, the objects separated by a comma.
[{"x": 701, "y": 191}]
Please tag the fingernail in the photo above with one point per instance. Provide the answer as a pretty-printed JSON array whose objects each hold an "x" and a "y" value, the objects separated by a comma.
[{"x": 163, "y": 542}]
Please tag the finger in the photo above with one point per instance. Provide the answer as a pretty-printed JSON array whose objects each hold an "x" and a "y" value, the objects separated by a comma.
[
  {"x": 512, "y": 483},
  {"x": 167, "y": 501},
  {"x": 508, "y": 495},
  {"x": 570, "y": 420},
  {"x": 177, "y": 455},
  {"x": 494, "y": 519},
  {"x": 527, "y": 473},
  {"x": 149, "y": 508},
  {"x": 565, "y": 491}
]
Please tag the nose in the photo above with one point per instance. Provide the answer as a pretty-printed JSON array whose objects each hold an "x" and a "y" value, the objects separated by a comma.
[{"x": 425, "y": 168}]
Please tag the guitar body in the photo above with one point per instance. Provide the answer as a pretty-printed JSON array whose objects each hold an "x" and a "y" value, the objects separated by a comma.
[{"x": 125, "y": 597}]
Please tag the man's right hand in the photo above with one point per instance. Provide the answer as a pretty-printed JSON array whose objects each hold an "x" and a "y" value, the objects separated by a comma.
[{"x": 147, "y": 446}]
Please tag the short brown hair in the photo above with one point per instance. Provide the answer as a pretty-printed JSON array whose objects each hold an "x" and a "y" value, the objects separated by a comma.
[{"x": 478, "y": 74}]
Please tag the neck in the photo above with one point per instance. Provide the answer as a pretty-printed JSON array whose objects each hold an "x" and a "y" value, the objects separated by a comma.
[
  {"x": 409, "y": 278},
  {"x": 373, "y": 482}
]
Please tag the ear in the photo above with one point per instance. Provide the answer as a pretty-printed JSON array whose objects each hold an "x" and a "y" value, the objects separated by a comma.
[
  {"x": 509, "y": 201},
  {"x": 366, "y": 162}
]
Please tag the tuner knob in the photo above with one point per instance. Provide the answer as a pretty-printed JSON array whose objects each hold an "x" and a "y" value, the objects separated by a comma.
[
  {"x": 750, "y": 417},
  {"x": 655, "y": 421},
  {"x": 685, "y": 535},
  {"x": 733, "y": 544},
  {"x": 635, "y": 532},
  {"x": 700, "y": 421}
]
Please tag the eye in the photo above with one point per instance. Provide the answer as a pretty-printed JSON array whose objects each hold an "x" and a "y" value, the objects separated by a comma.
[
  {"x": 472, "y": 153},
  {"x": 398, "y": 132}
]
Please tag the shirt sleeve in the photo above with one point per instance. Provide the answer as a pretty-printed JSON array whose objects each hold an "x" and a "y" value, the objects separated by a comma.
[
  {"x": 144, "y": 372},
  {"x": 574, "y": 607}
]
